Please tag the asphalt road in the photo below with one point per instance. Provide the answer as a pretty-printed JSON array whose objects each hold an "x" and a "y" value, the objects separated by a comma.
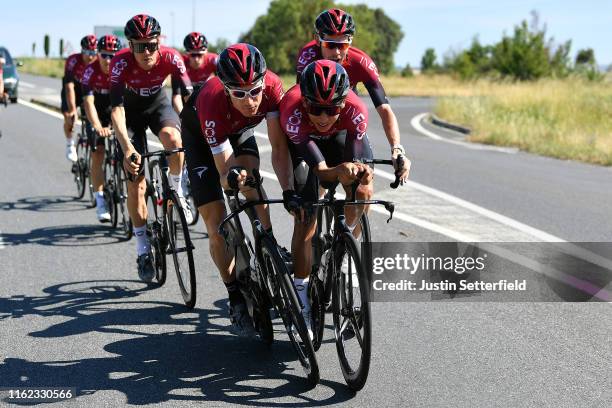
[{"x": 72, "y": 312}]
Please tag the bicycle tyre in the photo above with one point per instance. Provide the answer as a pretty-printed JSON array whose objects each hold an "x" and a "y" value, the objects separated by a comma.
[
  {"x": 288, "y": 307},
  {"x": 177, "y": 227},
  {"x": 78, "y": 170},
  {"x": 109, "y": 192},
  {"x": 123, "y": 215},
  {"x": 355, "y": 377},
  {"x": 155, "y": 226}
]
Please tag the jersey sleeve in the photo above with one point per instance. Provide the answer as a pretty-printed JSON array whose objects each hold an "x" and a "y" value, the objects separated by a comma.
[
  {"x": 212, "y": 126},
  {"x": 356, "y": 122},
  {"x": 180, "y": 77},
  {"x": 85, "y": 83},
  {"x": 117, "y": 80},
  {"x": 307, "y": 54},
  {"x": 276, "y": 95},
  {"x": 69, "y": 69},
  {"x": 368, "y": 74}
]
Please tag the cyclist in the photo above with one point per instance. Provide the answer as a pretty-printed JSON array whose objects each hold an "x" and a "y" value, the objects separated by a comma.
[
  {"x": 71, "y": 88},
  {"x": 218, "y": 122},
  {"x": 334, "y": 30},
  {"x": 96, "y": 101},
  {"x": 138, "y": 101},
  {"x": 3, "y": 96},
  {"x": 201, "y": 65},
  {"x": 326, "y": 123}
]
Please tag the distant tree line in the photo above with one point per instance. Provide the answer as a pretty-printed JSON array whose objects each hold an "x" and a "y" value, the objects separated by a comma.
[
  {"x": 527, "y": 54},
  {"x": 288, "y": 25}
]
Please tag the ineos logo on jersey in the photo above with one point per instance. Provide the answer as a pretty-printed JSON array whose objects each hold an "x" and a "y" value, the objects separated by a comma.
[
  {"x": 87, "y": 74},
  {"x": 146, "y": 91},
  {"x": 118, "y": 69},
  {"x": 178, "y": 61},
  {"x": 294, "y": 121},
  {"x": 209, "y": 131},
  {"x": 307, "y": 55}
]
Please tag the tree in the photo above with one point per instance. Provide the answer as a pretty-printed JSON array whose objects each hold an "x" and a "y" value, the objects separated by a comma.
[
  {"x": 61, "y": 48},
  {"x": 428, "y": 62},
  {"x": 219, "y": 46},
  {"x": 33, "y": 49},
  {"x": 407, "y": 71},
  {"x": 585, "y": 57},
  {"x": 46, "y": 45}
]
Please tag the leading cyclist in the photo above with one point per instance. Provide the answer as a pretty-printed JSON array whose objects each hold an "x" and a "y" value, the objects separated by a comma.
[{"x": 138, "y": 101}]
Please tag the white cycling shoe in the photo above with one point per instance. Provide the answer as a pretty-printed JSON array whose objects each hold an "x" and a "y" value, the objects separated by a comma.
[
  {"x": 71, "y": 153},
  {"x": 102, "y": 213}
]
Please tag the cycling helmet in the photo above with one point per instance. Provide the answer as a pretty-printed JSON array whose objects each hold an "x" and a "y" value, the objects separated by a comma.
[
  {"x": 109, "y": 43},
  {"x": 195, "y": 42},
  {"x": 324, "y": 82},
  {"x": 88, "y": 42},
  {"x": 240, "y": 64},
  {"x": 334, "y": 22},
  {"x": 142, "y": 26}
]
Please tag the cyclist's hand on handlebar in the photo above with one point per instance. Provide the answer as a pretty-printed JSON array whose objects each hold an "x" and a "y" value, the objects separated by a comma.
[
  {"x": 348, "y": 172},
  {"x": 131, "y": 162},
  {"x": 366, "y": 174},
  {"x": 103, "y": 131},
  {"x": 236, "y": 177},
  {"x": 401, "y": 164},
  {"x": 294, "y": 204}
]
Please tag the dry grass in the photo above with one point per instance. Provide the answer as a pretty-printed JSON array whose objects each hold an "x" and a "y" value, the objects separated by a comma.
[{"x": 52, "y": 67}]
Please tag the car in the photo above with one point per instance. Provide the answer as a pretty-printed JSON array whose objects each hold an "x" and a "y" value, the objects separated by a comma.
[{"x": 10, "y": 75}]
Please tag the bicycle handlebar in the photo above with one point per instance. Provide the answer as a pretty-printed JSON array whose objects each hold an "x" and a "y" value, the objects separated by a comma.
[{"x": 400, "y": 164}]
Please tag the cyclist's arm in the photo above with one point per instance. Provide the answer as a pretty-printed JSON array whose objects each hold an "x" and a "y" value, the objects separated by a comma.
[
  {"x": 121, "y": 132},
  {"x": 177, "y": 103},
  {"x": 281, "y": 161},
  {"x": 70, "y": 96},
  {"x": 381, "y": 103},
  {"x": 224, "y": 160},
  {"x": 91, "y": 112}
]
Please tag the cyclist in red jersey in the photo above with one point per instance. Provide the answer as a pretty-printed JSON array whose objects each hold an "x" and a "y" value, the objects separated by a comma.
[
  {"x": 201, "y": 65},
  {"x": 138, "y": 101},
  {"x": 96, "y": 101},
  {"x": 326, "y": 124},
  {"x": 221, "y": 150},
  {"x": 334, "y": 30},
  {"x": 71, "y": 88}
]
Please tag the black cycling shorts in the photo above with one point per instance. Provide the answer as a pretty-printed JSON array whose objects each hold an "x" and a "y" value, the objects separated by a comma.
[
  {"x": 335, "y": 151},
  {"x": 203, "y": 174},
  {"x": 78, "y": 96}
]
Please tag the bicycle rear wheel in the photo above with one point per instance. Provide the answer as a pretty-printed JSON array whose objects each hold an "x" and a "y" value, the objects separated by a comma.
[
  {"x": 288, "y": 307},
  {"x": 351, "y": 312},
  {"x": 123, "y": 216},
  {"x": 109, "y": 192},
  {"x": 181, "y": 249},
  {"x": 78, "y": 168}
]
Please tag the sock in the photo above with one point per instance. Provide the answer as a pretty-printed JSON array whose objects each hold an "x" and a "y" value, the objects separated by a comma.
[
  {"x": 302, "y": 289},
  {"x": 233, "y": 291},
  {"x": 100, "y": 199},
  {"x": 143, "y": 246},
  {"x": 70, "y": 141},
  {"x": 175, "y": 182}
]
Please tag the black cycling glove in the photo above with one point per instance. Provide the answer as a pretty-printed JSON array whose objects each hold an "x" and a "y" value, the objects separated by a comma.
[
  {"x": 292, "y": 201},
  {"x": 232, "y": 176}
]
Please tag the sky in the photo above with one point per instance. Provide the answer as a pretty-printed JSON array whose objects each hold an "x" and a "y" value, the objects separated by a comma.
[{"x": 440, "y": 24}]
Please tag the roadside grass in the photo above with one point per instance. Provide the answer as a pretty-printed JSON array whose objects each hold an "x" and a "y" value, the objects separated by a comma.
[
  {"x": 563, "y": 118},
  {"x": 51, "y": 67}
]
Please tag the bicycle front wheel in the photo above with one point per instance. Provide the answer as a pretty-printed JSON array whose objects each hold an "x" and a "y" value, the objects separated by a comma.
[
  {"x": 351, "y": 312},
  {"x": 181, "y": 249},
  {"x": 123, "y": 216},
  {"x": 79, "y": 168},
  {"x": 288, "y": 307},
  {"x": 155, "y": 226}
]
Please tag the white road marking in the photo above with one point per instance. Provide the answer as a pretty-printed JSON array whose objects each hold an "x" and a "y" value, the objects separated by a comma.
[
  {"x": 416, "y": 123},
  {"x": 2, "y": 246},
  {"x": 26, "y": 84}
]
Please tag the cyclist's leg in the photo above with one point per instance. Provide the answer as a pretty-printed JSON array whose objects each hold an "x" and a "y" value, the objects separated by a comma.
[
  {"x": 97, "y": 171},
  {"x": 358, "y": 149},
  {"x": 137, "y": 206},
  {"x": 165, "y": 123},
  {"x": 246, "y": 154}
]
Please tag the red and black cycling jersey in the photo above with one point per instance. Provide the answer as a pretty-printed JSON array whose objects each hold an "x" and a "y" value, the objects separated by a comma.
[
  {"x": 301, "y": 132},
  {"x": 358, "y": 65},
  {"x": 74, "y": 68},
  {"x": 95, "y": 81},
  {"x": 126, "y": 74},
  {"x": 219, "y": 119},
  {"x": 200, "y": 75}
]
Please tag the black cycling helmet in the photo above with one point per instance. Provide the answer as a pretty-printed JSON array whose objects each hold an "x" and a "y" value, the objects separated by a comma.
[
  {"x": 142, "y": 26},
  {"x": 195, "y": 42},
  {"x": 109, "y": 43},
  {"x": 324, "y": 82},
  {"x": 240, "y": 64},
  {"x": 89, "y": 42},
  {"x": 334, "y": 22}
]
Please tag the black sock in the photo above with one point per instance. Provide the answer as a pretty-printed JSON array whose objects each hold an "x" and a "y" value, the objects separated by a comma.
[{"x": 233, "y": 291}]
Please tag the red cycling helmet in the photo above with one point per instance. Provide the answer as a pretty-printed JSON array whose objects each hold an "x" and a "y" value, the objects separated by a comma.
[
  {"x": 109, "y": 43},
  {"x": 89, "y": 42},
  {"x": 195, "y": 42},
  {"x": 334, "y": 22},
  {"x": 325, "y": 83},
  {"x": 240, "y": 64},
  {"x": 142, "y": 26}
]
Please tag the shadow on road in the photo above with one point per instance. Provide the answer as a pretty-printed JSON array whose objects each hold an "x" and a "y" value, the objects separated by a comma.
[
  {"x": 65, "y": 235},
  {"x": 166, "y": 352},
  {"x": 45, "y": 204}
]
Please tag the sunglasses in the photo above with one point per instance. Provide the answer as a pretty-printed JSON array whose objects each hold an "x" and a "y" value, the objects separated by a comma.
[
  {"x": 141, "y": 47},
  {"x": 241, "y": 93},
  {"x": 332, "y": 45},
  {"x": 105, "y": 55},
  {"x": 318, "y": 110},
  {"x": 196, "y": 54},
  {"x": 91, "y": 53}
]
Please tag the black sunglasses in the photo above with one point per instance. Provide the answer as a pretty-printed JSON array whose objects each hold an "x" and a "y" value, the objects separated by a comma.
[
  {"x": 105, "y": 55},
  {"x": 317, "y": 110},
  {"x": 141, "y": 47}
]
